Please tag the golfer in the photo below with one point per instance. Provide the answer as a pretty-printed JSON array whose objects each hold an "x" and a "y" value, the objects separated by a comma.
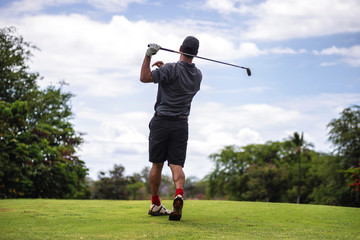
[{"x": 177, "y": 85}]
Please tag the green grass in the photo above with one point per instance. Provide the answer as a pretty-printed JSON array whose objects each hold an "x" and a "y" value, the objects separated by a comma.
[{"x": 103, "y": 219}]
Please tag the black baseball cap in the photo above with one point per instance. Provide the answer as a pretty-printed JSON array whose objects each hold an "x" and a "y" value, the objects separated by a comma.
[{"x": 190, "y": 45}]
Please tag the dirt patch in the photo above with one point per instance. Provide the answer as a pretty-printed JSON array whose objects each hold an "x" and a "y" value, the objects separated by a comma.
[{"x": 5, "y": 209}]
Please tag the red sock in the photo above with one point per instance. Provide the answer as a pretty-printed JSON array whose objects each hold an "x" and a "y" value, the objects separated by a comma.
[
  {"x": 155, "y": 200},
  {"x": 179, "y": 191}
]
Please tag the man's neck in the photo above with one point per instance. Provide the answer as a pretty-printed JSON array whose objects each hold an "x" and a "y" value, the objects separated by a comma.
[{"x": 185, "y": 59}]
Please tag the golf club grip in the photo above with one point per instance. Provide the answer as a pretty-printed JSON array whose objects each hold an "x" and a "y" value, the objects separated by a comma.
[{"x": 208, "y": 59}]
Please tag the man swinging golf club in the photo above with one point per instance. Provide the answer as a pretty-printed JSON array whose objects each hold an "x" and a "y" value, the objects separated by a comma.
[{"x": 177, "y": 85}]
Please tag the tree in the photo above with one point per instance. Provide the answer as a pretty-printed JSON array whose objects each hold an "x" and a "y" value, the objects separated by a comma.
[
  {"x": 238, "y": 171},
  {"x": 269, "y": 172},
  {"x": 344, "y": 133},
  {"x": 328, "y": 182},
  {"x": 266, "y": 182},
  {"x": 354, "y": 174},
  {"x": 299, "y": 146},
  {"x": 228, "y": 176},
  {"x": 145, "y": 177},
  {"x": 113, "y": 186},
  {"x": 194, "y": 188},
  {"x": 37, "y": 141}
]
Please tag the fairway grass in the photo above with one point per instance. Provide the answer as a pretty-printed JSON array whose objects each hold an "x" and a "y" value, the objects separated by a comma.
[{"x": 107, "y": 219}]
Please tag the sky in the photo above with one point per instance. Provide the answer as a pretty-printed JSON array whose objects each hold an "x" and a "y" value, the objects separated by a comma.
[{"x": 304, "y": 56}]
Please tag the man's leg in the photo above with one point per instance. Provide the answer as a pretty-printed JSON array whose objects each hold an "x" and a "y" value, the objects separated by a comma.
[
  {"x": 178, "y": 176},
  {"x": 156, "y": 208},
  {"x": 179, "y": 181},
  {"x": 155, "y": 180}
]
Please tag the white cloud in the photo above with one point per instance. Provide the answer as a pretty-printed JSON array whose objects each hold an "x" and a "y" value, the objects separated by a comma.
[
  {"x": 256, "y": 89},
  {"x": 351, "y": 55},
  {"x": 219, "y": 47},
  {"x": 228, "y": 6},
  {"x": 216, "y": 125},
  {"x": 328, "y": 64},
  {"x": 32, "y": 6},
  {"x": 103, "y": 59},
  {"x": 113, "y": 138},
  {"x": 283, "y": 51},
  {"x": 36, "y": 6},
  {"x": 265, "y": 20},
  {"x": 282, "y": 19},
  {"x": 113, "y": 5}
]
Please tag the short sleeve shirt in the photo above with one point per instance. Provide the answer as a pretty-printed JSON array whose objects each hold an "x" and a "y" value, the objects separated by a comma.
[{"x": 177, "y": 85}]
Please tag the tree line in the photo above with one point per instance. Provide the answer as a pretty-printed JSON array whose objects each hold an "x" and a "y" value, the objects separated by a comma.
[
  {"x": 115, "y": 185},
  {"x": 287, "y": 171},
  {"x": 38, "y": 147}
]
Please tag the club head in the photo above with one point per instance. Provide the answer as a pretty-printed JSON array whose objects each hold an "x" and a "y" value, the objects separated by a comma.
[{"x": 248, "y": 72}]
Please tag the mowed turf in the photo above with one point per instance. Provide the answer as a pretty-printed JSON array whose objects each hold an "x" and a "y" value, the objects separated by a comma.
[{"x": 104, "y": 219}]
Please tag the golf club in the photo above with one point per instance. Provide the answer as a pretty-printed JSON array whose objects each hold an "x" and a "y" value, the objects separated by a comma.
[{"x": 208, "y": 59}]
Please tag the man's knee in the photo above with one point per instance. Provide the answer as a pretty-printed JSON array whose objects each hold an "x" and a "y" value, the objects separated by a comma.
[
  {"x": 157, "y": 167},
  {"x": 175, "y": 167},
  {"x": 177, "y": 170}
]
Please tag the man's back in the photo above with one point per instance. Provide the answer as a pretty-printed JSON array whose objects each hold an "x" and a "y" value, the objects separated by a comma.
[{"x": 178, "y": 84}]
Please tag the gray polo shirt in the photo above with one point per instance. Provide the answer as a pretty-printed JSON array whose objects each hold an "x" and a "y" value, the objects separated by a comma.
[{"x": 178, "y": 84}]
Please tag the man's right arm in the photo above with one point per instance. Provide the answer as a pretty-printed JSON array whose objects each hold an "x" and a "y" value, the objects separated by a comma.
[{"x": 145, "y": 74}]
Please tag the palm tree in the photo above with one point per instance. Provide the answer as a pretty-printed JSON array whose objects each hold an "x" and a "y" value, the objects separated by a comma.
[{"x": 299, "y": 146}]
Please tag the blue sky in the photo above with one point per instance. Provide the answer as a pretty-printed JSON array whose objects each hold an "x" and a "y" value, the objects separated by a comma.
[{"x": 304, "y": 56}]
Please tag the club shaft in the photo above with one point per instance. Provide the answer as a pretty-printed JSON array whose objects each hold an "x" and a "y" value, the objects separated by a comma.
[{"x": 208, "y": 59}]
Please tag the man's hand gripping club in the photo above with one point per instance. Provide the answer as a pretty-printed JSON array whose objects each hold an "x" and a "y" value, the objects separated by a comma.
[{"x": 152, "y": 49}]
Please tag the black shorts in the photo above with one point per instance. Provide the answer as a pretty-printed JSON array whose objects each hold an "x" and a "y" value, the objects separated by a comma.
[{"x": 168, "y": 140}]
